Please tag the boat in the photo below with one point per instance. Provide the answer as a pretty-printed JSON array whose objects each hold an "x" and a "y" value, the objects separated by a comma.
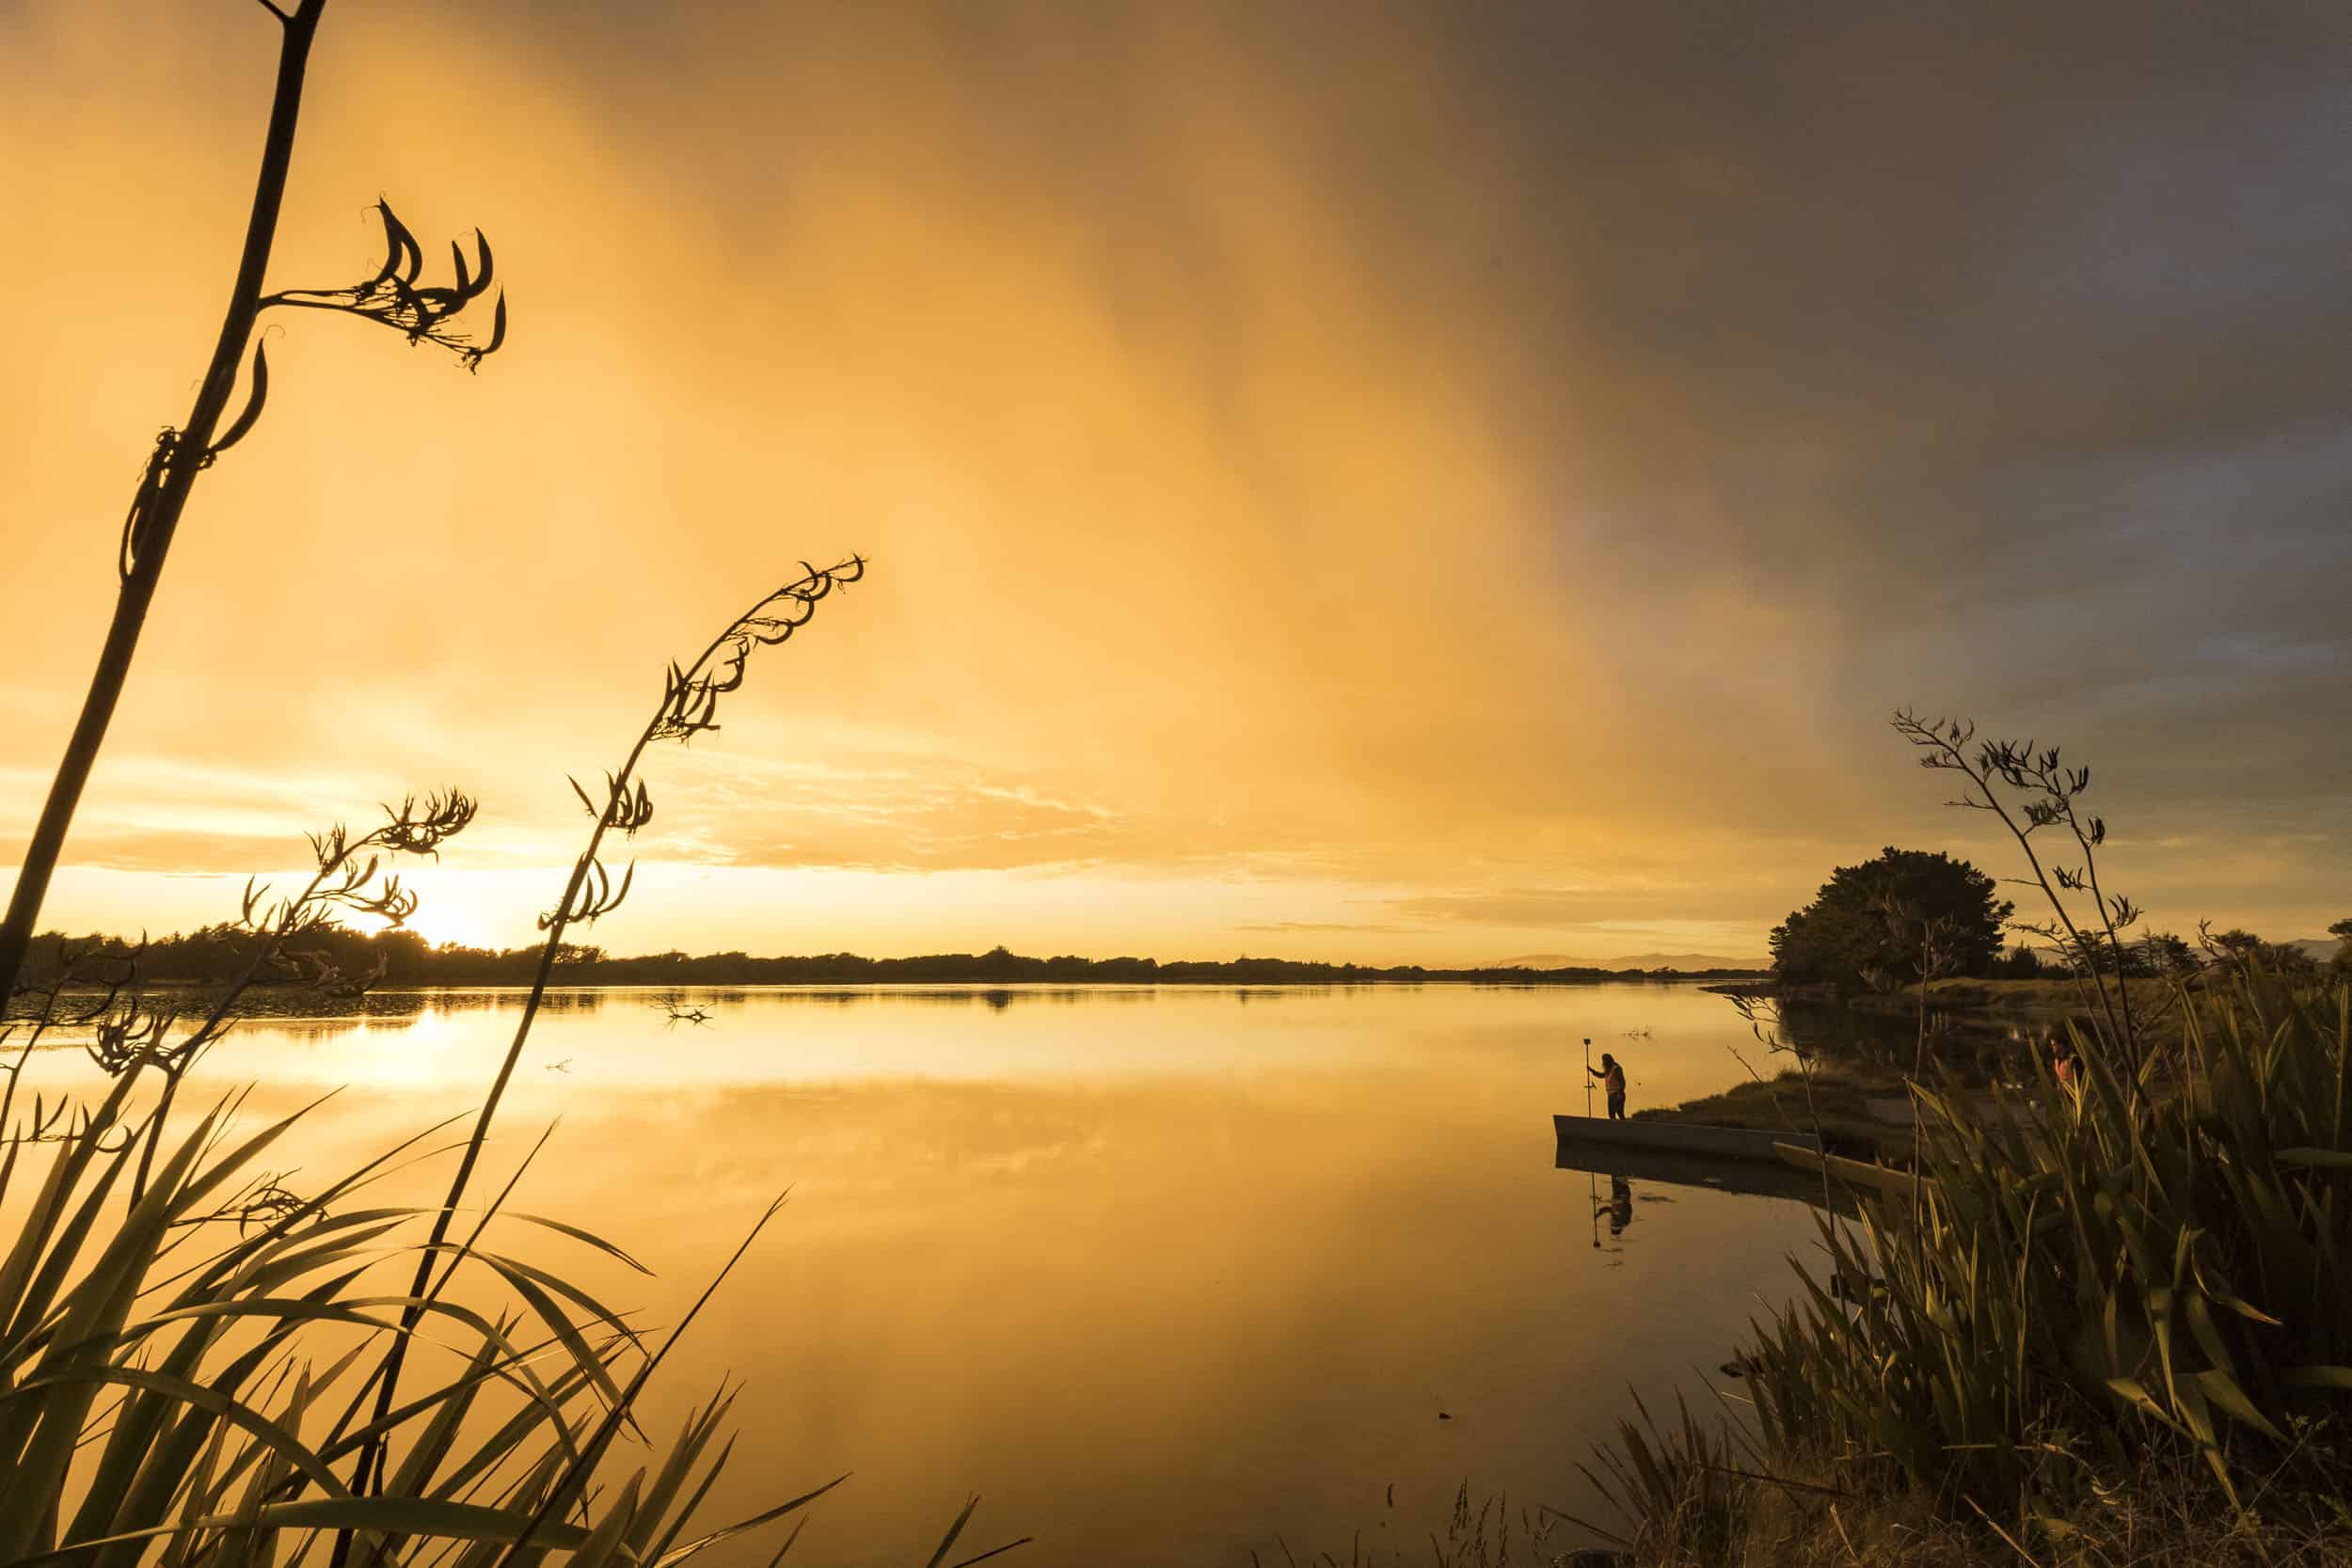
[
  {"x": 1854, "y": 1175},
  {"x": 1594, "y": 1134}
]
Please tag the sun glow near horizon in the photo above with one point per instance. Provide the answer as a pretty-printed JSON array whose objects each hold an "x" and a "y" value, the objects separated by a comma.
[{"x": 1091, "y": 913}]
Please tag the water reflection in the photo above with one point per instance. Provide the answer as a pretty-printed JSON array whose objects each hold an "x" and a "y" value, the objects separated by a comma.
[
  {"x": 1160, "y": 1273},
  {"x": 1971, "y": 1044},
  {"x": 289, "y": 1002},
  {"x": 1748, "y": 1177},
  {"x": 1620, "y": 1205}
]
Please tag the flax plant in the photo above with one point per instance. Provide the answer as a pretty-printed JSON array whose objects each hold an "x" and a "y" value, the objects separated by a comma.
[
  {"x": 689, "y": 706},
  {"x": 202, "y": 1315},
  {"x": 2032, "y": 792},
  {"x": 2083, "y": 1280},
  {"x": 177, "y": 1325},
  {"x": 2075, "y": 1286}
]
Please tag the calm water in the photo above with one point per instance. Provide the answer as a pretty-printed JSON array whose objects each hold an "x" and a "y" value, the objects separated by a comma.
[{"x": 1158, "y": 1273}]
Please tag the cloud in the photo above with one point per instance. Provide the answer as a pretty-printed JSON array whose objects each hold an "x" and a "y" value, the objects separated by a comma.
[
  {"x": 1514, "y": 458},
  {"x": 1544, "y": 908}
]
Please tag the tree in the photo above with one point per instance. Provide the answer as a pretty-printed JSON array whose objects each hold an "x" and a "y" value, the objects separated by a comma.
[
  {"x": 1867, "y": 919},
  {"x": 2246, "y": 951},
  {"x": 2166, "y": 954},
  {"x": 2159, "y": 954},
  {"x": 2019, "y": 963},
  {"x": 2342, "y": 932}
]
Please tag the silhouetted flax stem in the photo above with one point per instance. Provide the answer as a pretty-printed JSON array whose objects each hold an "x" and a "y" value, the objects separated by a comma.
[
  {"x": 689, "y": 707},
  {"x": 350, "y": 877},
  {"x": 393, "y": 297},
  {"x": 2047, "y": 790},
  {"x": 163, "y": 495}
]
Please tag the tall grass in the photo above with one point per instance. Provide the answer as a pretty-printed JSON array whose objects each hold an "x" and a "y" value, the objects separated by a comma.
[
  {"x": 171, "y": 1361},
  {"x": 2079, "y": 1280},
  {"x": 2074, "y": 1293}
]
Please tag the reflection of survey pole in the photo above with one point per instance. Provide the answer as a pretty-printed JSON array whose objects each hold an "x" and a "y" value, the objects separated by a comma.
[{"x": 1592, "y": 1189}]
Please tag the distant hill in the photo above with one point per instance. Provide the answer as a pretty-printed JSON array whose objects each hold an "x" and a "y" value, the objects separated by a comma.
[
  {"x": 1636, "y": 961},
  {"x": 2322, "y": 948}
]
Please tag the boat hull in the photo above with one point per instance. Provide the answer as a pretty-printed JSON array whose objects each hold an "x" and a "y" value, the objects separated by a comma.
[{"x": 1595, "y": 1133}]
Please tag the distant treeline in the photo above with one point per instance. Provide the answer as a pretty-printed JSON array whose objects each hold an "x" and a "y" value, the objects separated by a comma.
[{"x": 404, "y": 959}]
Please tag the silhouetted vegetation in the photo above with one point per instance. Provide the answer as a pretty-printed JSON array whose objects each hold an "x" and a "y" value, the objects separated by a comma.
[
  {"x": 1867, "y": 919},
  {"x": 2243, "y": 950},
  {"x": 2101, "y": 1322},
  {"x": 399, "y": 957},
  {"x": 2033, "y": 794},
  {"x": 201, "y": 1308},
  {"x": 689, "y": 706},
  {"x": 390, "y": 297},
  {"x": 177, "y": 1323},
  {"x": 2020, "y": 961}
]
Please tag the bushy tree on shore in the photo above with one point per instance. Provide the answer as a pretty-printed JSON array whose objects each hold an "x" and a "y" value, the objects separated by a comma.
[
  {"x": 2157, "y": 955},
  {"x": 1867, "y": 919},
  {"x": 2243, "y": 949}
]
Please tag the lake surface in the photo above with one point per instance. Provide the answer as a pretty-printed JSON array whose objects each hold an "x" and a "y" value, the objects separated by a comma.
[{"x": 1159, "y": 1273}]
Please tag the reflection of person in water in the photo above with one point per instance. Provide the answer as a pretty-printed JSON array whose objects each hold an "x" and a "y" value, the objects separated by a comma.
[{"x": 1620, "y": 1205}]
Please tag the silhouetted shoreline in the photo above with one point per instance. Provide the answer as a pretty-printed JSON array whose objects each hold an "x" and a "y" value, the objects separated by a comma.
[{"x": 397, "y": 959}]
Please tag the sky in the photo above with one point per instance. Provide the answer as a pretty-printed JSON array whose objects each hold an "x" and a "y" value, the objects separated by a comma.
[{"x": 1420, "y": 483}]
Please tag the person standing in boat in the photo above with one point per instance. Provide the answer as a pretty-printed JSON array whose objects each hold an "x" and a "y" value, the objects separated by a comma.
[{"x": 1611, "y": 1076}]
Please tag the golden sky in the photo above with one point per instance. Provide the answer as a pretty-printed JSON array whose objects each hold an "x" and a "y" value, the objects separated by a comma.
[{"x": 1464, "y": 482}]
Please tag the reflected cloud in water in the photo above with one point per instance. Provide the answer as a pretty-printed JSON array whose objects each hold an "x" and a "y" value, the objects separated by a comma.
[{"x": 1178, "y": 1266}]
